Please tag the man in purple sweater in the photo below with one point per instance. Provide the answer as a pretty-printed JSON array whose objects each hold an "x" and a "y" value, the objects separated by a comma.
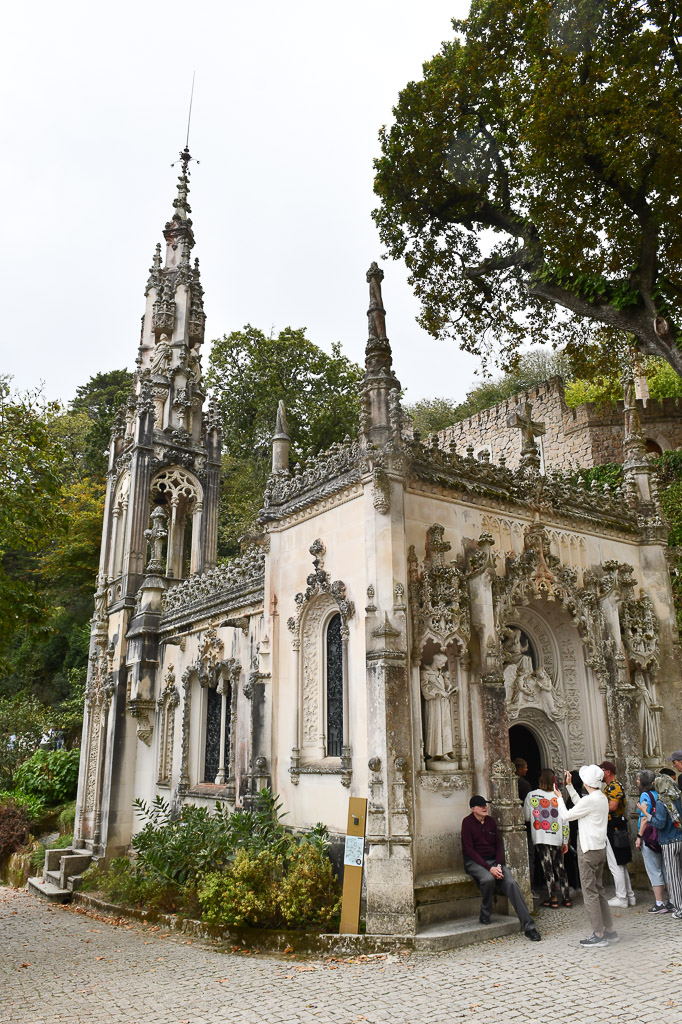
[{"x": 484, "y": 861}]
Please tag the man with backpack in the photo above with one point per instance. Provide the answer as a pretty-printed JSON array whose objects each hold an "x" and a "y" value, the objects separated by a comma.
[{"x": 618, "y": 852}]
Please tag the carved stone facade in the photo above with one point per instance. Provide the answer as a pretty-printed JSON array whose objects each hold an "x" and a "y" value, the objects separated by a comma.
[{"x": 453, "y": 604}]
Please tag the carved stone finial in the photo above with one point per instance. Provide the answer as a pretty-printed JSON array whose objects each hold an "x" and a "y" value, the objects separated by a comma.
[
  {"x": 281, "y": 442},
  {"x": 376, "y": 314}
]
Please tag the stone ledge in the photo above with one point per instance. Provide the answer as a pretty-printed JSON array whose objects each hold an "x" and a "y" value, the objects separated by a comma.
[{"x": 433, "y": 937}]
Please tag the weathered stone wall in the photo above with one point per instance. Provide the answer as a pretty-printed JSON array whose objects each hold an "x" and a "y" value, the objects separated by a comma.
[{"x": 584, "y": 436}]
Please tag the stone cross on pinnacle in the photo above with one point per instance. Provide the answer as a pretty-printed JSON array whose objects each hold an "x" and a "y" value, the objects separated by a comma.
[{"x": 523, "y": 419}]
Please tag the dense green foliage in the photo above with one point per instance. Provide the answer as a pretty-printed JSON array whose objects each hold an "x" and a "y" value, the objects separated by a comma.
[
  {"x": 532, "y": 179},
  {"x": 240, "y": 868},
  {"x": 23, "y": 720},
  {"x": 51, "y": 775},
  {"x": 249, "y": 374},
  {"x": 50, "y": 537},
  {"x": 270, "y": 891}
]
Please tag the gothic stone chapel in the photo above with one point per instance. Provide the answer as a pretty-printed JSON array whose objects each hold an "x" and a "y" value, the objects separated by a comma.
[{"x": 405, "y": 614}]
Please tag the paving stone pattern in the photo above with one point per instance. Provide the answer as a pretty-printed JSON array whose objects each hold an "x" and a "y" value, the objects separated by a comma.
[{"x": 61, "y": 965}]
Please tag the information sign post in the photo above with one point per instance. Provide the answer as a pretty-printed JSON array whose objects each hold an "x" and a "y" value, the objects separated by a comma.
[{"x": 353, "y": 858}]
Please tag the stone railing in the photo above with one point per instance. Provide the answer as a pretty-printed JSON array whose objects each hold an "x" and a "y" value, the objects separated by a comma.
[
  {"x": 322, "y": 474},
  {"x": 559, "y": 492},
  {"x": 246, "y": 568}
]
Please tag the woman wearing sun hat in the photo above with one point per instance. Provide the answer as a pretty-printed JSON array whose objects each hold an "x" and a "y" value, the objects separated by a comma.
[{"x": 592, "y": 814}]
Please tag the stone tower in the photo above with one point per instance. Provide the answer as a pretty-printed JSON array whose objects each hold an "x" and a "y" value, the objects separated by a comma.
[{"x": 160, "y": 526}]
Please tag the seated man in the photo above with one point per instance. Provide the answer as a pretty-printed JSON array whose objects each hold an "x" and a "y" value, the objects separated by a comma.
[{"x": 484, "y": 861}]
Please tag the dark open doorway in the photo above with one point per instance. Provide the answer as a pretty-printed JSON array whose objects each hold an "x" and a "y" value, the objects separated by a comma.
[{"x": 522, "y": 743}]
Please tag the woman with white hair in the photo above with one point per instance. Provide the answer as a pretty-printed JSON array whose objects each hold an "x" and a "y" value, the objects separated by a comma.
[{"x": 592, "y": 814}]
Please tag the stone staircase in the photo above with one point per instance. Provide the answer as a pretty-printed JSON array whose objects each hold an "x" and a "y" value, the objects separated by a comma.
[
  {"x": 61, "y": 875},
  {"x": 448, "y": 904}
]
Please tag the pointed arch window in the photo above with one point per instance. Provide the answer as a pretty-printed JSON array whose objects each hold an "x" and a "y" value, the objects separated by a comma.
[{"x": 334, "y": 686}]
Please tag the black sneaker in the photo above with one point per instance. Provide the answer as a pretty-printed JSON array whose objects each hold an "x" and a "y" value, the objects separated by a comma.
[
  {"x": 595, "y": 940},
  {"x": 658, "y": 908},
  {"x": 611, "y": 936}
]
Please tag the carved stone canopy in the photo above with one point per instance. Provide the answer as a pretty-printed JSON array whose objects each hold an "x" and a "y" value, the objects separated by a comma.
[
  {"x": 439, "y": 598},
  {"x": 319, "y": 582}
]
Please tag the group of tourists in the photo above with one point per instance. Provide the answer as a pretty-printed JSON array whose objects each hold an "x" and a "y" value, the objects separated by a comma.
[{"x": 598, "y": 804}]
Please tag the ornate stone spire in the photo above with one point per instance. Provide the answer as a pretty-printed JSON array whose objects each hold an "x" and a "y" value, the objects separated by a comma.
[
  {"x": 377, "y": 421},
  {"x": 281, "y": 442},
  {"x": 175, "y": 297},
  {"x": 179, "y": 228}
]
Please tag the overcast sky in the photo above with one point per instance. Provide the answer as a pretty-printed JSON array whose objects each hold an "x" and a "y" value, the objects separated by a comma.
[{"x": 288, "y": 101}]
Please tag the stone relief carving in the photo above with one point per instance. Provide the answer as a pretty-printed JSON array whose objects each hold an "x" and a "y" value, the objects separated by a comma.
[
  {"x": 166, "y": 705},
  {"x": 525, "y": 684}
]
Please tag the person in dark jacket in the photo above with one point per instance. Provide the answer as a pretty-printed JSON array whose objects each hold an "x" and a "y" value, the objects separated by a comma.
[{"x": 484, "y": 861}]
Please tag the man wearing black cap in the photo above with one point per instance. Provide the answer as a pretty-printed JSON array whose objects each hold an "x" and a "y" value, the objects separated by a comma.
[
  {"x": 484, "y": 861},
  {"x": 676, "y": 758}
]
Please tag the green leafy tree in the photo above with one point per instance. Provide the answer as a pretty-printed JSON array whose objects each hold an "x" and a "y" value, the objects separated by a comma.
[
  {"x": 532, "y": 179},
  {"x": 250, "y": 373},
  {"x": 30, "y": 462},
  {"x": 98, "y": 402}
]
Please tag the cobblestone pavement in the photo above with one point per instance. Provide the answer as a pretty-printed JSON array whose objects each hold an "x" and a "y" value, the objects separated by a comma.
[{"x": 60, "y": 965}]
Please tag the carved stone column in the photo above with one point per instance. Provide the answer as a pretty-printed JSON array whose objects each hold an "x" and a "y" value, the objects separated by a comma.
[{"x": 494, "y": 770}]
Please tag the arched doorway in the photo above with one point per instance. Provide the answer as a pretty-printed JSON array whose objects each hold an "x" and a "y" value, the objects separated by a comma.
[{"x": 522, "y": 743}]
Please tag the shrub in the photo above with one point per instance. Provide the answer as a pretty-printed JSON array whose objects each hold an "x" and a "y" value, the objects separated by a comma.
[
  {"x": 34, "y": 806},
  {"x": 245, "y": 895},
  {"x": 50, "y": 774},
  {"x": 67, "y": 818},
  {"x": 14, "y": 827},
  {"x": 309, "y": 893},
  {"x": 127, "y": 884}
]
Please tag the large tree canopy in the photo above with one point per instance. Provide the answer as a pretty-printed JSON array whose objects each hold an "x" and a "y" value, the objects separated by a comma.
[
  {"x": 249, "y": 373},
  {"x": 534, "y": 177}
]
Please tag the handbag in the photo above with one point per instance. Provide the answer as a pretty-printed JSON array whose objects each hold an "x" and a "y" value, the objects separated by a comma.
[
  {"x": 620, "y": 840},
  {"x": 650, "y": 834}
]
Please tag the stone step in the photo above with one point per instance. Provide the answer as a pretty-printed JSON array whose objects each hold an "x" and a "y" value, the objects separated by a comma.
[
  {"x": 71, "y": 865},
  {"x": 447, "y": 895},
  {"x": 51, "y": 877},
  {"x": 38, "y": 887},
  {"x": 463, "y": 931}
]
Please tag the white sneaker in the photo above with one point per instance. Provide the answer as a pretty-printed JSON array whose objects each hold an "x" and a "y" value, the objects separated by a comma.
[
  {"x": 632, "y": 899},
  {"x": 616, "y": 901}
]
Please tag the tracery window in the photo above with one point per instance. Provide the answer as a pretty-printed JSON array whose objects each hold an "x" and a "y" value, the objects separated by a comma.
[{"x": 180, "y": 493}]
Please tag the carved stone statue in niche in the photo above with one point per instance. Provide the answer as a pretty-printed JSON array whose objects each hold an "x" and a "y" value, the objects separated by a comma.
[
  {"x": 648, "y": 711},
  {"x": 163, "y": 354},
  {"x": 438, "y": 690},
  {"x": 525, "y": 684}
]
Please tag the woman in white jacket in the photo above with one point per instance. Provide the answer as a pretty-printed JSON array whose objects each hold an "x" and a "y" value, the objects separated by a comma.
[{"x": 549, "y": 833}]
